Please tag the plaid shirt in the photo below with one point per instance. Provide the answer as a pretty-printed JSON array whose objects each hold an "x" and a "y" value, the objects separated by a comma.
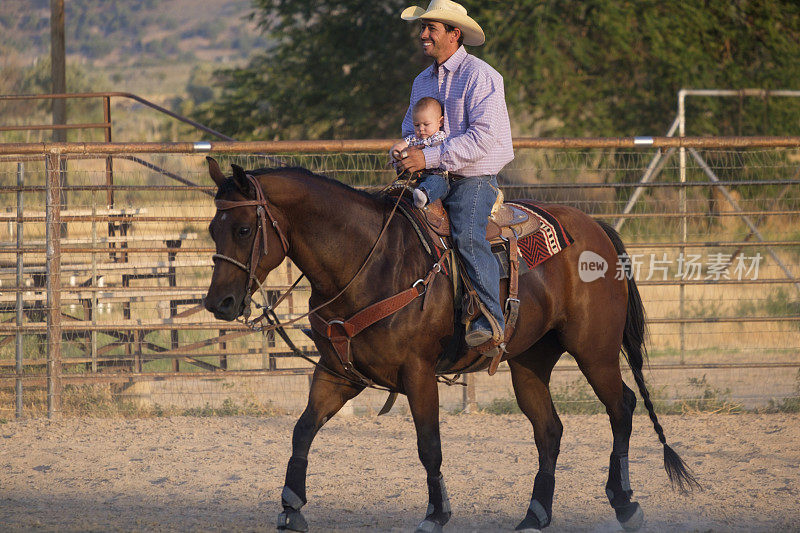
[
  {"x": 475, "y": 116},
  {"x": 436, "y": 138}
]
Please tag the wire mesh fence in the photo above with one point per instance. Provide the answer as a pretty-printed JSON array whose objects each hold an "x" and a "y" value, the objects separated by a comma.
[{"x": 712, "y": 237}]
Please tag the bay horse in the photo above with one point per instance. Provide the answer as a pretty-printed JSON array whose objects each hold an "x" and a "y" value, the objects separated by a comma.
[{"x": 342, "y": 238}]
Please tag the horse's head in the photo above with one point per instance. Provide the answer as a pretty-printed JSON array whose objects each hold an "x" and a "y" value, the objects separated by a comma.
[{"x": 250, "y": 242}]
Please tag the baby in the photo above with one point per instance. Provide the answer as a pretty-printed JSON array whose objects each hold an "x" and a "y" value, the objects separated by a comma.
[{"x": 428, "y": 117}]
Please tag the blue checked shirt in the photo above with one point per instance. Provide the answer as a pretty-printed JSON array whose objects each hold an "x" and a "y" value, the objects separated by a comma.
[{"x": 475, "y": 116}]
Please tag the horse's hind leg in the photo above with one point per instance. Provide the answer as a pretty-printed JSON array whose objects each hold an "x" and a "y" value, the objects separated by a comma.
[
  {"x": 603, "y": 373},
  {"x": 328, "y": 393},
  {"x": 530, "y": 374}
]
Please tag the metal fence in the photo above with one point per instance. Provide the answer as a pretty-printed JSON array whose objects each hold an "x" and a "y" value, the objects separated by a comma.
[{"x": 102, "y": 277}]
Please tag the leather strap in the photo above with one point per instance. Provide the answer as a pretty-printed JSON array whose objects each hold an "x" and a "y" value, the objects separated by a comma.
[
  {"x": 512, "y": 304},
  {"x": 340, "y": 332}
]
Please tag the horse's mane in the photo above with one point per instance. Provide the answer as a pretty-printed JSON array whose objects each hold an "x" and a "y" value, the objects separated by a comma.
[{"x": 303, "y": 173}]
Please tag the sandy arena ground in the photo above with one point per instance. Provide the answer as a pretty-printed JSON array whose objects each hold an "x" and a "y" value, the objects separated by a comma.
[{"x": 209, "y": 474}]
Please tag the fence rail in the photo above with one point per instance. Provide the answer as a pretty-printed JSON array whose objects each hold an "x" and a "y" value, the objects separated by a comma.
[
  {"x": 115, "y": 301},
  {"x": 382, "y": 145}
]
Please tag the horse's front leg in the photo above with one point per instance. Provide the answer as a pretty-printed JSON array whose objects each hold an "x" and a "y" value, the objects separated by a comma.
[
  {"x": 328, "y": 393},
  {"x": 423, "y": 399}
]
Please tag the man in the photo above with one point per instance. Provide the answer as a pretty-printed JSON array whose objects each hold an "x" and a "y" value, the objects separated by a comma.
[{"x": 477, "y": 147}]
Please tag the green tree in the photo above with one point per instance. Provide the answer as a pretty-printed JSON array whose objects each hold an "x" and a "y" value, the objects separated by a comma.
[
  {"x": 572, "y": 67},
  {"x": 605, "y": 67},
  {"x": 334, "y": 70}
]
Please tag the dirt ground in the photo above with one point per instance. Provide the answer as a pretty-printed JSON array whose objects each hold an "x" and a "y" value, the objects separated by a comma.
[{"x": 204, "y": 474}]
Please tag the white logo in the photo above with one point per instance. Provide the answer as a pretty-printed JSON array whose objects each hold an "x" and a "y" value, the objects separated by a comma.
[{"x": 591, "y": 266}]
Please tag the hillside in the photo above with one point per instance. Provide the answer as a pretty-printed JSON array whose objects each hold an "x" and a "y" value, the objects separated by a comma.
[
  {"x": 163, "y": 50},
  {"x": 134, "y": 32}
]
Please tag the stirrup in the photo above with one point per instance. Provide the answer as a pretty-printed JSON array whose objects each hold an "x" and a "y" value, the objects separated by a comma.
[{"x": 501, "y": 348}]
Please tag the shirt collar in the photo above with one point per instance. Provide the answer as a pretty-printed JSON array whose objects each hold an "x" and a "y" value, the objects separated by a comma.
[{"x": 452, "y": 62}]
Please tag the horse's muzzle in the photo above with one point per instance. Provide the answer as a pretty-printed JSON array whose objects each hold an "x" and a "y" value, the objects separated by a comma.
[{"x": 224, "y": 309}]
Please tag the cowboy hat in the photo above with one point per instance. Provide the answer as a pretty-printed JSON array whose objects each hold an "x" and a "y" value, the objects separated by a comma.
[{"x": 448, "y": 12}]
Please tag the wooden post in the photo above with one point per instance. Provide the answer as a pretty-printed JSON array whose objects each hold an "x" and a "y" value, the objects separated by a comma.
[
  {"x": 58, "y": 72},
  {"x": 53, "y": 260}
]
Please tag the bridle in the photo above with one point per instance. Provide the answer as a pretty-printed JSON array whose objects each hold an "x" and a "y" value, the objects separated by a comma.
[{"x": 262, "y": 212}]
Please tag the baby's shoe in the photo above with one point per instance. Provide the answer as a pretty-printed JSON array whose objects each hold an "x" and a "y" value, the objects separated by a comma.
[{"x": 420, "y": 198}]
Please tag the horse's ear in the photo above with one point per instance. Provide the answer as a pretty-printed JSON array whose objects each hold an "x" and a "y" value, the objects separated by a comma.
[
  {"x": 215, "y": 171},
  {"x": 240, "y": 178}
]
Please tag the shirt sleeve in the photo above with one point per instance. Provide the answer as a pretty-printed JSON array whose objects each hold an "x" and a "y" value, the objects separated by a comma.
[
  {"x": 485, "y": 102},
  {"x": 408, "y": 122}
]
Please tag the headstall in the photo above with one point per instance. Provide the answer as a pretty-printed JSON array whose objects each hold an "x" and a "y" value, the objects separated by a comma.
[{"x": 263, "y": 212}]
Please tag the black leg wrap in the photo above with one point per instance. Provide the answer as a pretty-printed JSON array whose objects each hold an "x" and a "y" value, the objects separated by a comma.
[
  {"x": 439, "y": 511},
  {"x": 618, "y": 490},
  {"x": 540, "y": 511},
  {"x": 293, "y": 497},
  {"x": 296, "y": 481},
  {"x": 437, "y": 496},
  {"x": 618, "y": 487}
]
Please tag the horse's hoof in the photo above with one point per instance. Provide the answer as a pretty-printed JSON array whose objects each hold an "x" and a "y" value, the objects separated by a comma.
[
  {"x": 631, "y": 518},
  {"x": 529, "y": 525},
  {"x": 292, "y": 520},
  {"x": 428, "y": 526}
]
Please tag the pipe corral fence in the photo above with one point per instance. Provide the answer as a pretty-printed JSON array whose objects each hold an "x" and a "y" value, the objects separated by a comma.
[{"x": 105, "y": 258}]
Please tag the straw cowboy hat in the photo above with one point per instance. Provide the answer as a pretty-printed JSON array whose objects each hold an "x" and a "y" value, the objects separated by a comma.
[{"x": 448, "y": 12}]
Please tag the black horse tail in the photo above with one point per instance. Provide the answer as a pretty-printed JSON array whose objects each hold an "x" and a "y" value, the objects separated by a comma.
[{"x": 633, "y": 347}]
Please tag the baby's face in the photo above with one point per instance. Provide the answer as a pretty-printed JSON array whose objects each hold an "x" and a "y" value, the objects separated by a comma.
[{"x": 427, "y": 121}]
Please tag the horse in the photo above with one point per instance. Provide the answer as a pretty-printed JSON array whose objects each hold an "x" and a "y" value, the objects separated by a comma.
[{"x": 355, "y": 253}]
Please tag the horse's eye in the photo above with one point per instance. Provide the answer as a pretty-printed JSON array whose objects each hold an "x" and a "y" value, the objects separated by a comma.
[{"x": 244, "y": 231}]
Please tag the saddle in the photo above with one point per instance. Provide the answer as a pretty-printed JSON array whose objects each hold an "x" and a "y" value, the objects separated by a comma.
[{"x": 507, "y": 223}]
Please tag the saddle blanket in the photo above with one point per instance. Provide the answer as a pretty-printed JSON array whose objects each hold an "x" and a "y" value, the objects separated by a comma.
[{"x": 548, "y": 241}]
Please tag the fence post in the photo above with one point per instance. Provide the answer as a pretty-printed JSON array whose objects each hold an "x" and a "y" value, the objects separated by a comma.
[
  {"x": 20, "y": 282},
  {"x": 468, "y": 394},
  {"x": 94, "y": 285},
  {"x": 109, "y": 158},
  {"x": 684, "y": 222},
  {"x": 53, "y": 269}
]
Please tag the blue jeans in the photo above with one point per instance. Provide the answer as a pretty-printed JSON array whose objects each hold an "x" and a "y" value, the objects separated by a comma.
[
  {"x": 435, "y": 186},
  {"x": 469, "y": 202}
]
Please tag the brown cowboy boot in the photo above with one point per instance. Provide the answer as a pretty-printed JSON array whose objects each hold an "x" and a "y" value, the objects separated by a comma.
[{"x": 476, "y": 337}]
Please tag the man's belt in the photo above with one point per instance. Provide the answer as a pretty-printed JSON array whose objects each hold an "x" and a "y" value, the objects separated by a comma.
[{"x": 446, "y": 174}]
